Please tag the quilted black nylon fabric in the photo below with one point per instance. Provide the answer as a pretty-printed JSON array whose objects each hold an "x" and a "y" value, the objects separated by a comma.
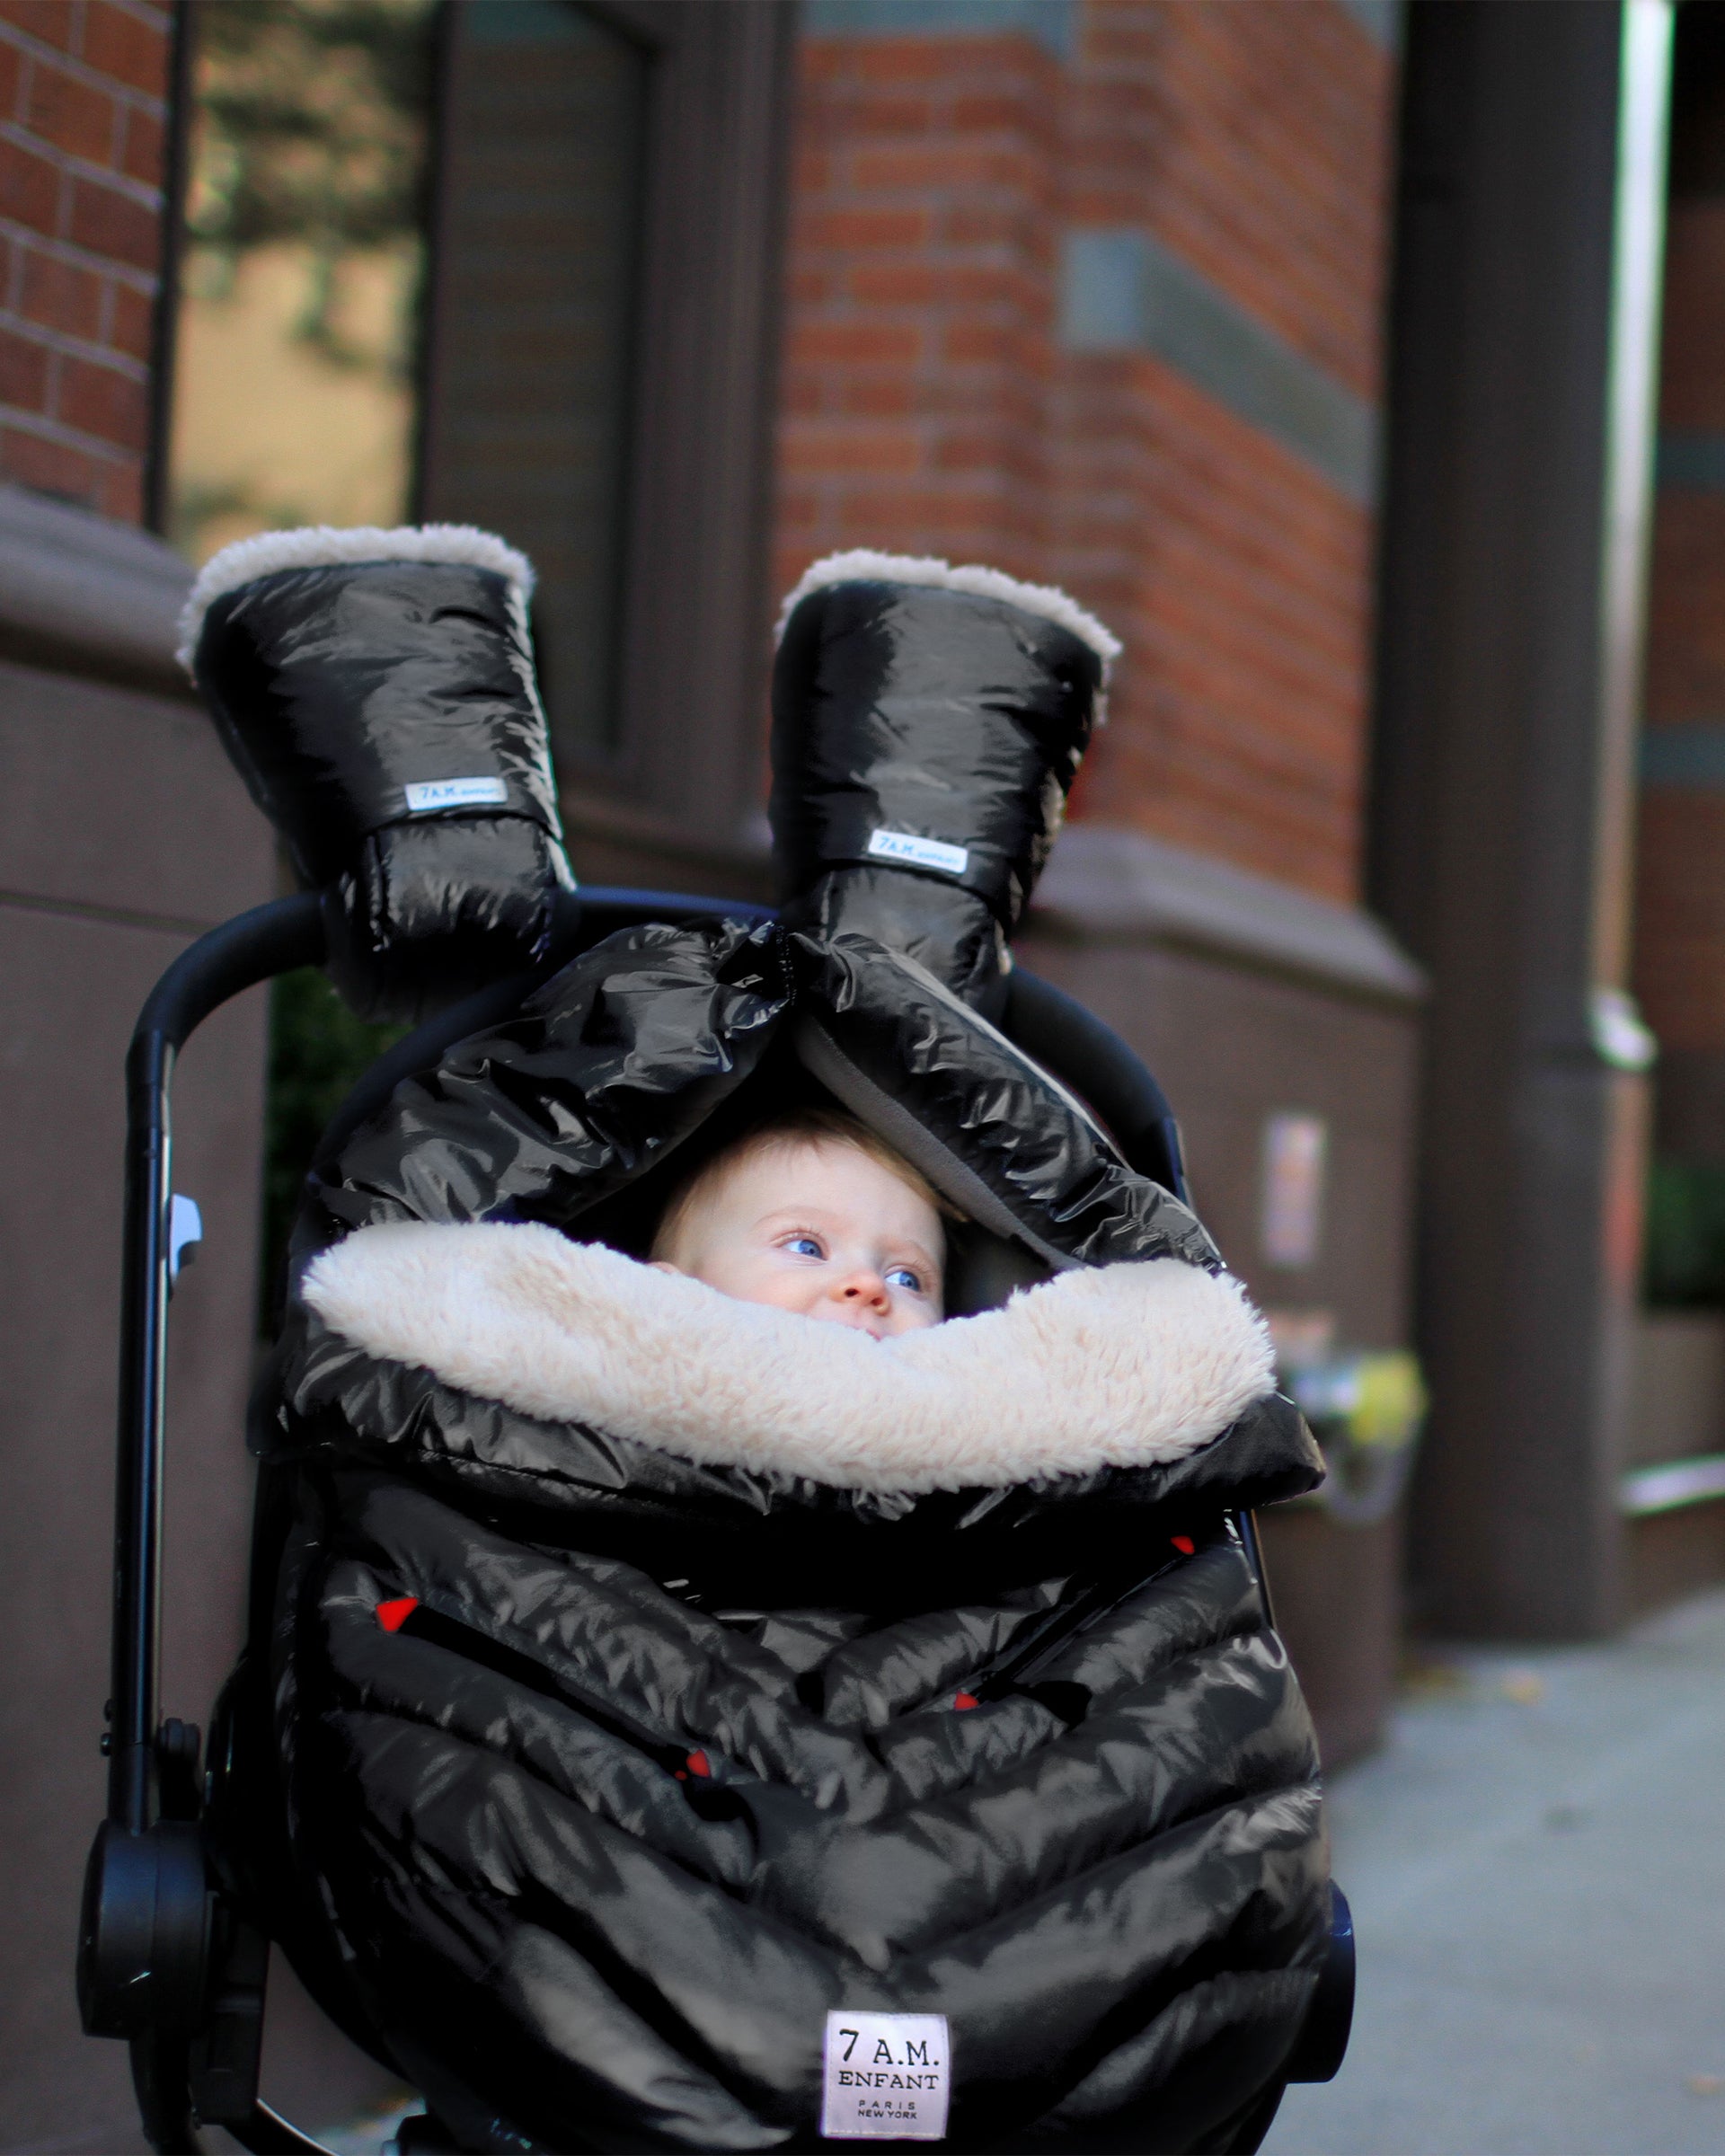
[
  {"x": 666, "y": 1761},
  {"x": 339, "y": 690},
  {"x": 905, "y": 713}
]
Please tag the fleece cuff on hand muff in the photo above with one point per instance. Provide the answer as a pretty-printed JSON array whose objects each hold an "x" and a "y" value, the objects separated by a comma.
[
  {"x": 927, "y": 725},
  {"x": 376, "y": 690}
]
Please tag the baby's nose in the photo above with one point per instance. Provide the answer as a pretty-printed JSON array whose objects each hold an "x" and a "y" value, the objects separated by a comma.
[{"x": 868, "y": 1286}]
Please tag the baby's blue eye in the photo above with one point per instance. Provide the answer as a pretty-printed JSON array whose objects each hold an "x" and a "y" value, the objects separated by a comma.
[
  {"x": 901, "y": 1276},
  {"x": 805, "y": 1246}
]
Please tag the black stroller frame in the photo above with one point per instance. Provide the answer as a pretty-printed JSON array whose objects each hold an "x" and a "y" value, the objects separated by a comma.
[{"x": 167, "y": 1961}]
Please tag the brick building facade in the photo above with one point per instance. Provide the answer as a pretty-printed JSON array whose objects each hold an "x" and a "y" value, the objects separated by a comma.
[
  {"x": 1679, "y": 963},
  {"x": 1680, "y": 954},
  {"x": 1093, "y": 290},
  {"x": 1100, "y": 300},
  {"x": 987, "y": 230},
  {"x": 83, "y": 90}
]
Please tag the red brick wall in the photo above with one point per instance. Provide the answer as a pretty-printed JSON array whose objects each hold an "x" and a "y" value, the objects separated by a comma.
[
  {"x": 1680, "y": 919},
  {"x": 1253, "y": 136},
  {"x": 82, "y": 106},
  {"x": 928, "y": 406},
  {"x": 921, "y": 288},
  {"x": 1240, "y": 584}
]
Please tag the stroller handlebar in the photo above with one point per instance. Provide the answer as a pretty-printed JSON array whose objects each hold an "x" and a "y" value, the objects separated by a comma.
[{"x": 271, "y": 938}]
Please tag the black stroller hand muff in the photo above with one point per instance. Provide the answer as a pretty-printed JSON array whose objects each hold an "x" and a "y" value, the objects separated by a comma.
[
  {"x": 376, "y": 690},
  {"x": 651, "y": 1698},
  {"x": 928, "y": 719}
]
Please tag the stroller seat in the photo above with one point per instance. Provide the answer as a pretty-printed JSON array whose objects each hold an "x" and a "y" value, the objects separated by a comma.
[{"x": 584, "y": 1767}]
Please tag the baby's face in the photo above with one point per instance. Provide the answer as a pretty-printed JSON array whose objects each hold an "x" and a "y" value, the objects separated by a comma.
[{"x": 820, "y": 1228}]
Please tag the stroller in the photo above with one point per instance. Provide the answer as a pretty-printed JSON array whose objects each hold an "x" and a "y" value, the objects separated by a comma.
[{"x": 613, "y": 1775}]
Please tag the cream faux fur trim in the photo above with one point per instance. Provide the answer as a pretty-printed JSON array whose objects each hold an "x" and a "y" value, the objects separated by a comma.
[
  {"x": 861, "y": 564},
  {"x": 1122, "y": 1366},
  {"x": 315, "y": 546}
]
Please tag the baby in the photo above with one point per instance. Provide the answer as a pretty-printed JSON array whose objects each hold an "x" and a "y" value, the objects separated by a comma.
[{"x": 813, "y": 1214}]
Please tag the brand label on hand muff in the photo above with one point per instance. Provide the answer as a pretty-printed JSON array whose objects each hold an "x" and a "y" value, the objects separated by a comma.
[
  {"x": 888, "y": 2077},
  {"x": 919, "y": 852},
  {"x": 427, "y": 794}
]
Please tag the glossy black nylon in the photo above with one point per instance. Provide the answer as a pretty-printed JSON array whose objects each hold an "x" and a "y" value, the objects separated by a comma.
[
  {"x": 334, "y": 689},
  {"x": 932, "y": 714}
]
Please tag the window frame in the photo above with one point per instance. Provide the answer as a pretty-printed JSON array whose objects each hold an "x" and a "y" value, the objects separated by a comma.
[
  {"x": 685, "y": 775},
  {"x": 685, "y": 778}
]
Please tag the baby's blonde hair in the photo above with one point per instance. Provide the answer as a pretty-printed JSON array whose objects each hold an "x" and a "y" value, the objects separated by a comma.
[{"x": 807, "y": 1124}]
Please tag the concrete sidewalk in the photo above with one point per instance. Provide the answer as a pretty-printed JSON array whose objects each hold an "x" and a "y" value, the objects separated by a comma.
[{"x": 1536, "y": 1865}]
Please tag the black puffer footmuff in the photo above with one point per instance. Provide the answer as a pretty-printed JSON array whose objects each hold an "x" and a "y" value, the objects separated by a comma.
[{"x": 654, "y": 1674}]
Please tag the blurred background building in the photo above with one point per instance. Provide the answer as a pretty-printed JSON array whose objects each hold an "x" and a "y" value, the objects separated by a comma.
[
  {"x": 1313, "y": 343},
  {"x": 1679, "y": 951}
]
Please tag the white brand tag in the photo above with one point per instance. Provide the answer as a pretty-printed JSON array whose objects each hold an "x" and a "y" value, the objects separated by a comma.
[
  {"x": 888, "y": 2077},
  {"x": 454, "y": 794},
  {"x": 920, "y": 852}
]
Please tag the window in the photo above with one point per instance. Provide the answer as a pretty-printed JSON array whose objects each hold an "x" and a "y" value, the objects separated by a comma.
[
  {"x": 509, "y": 262},
  {"x": 530, "y": 384},
  {"x": 301, "y": 264}
]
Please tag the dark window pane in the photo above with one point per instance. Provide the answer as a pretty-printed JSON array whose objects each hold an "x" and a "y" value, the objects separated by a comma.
[{"x": 538, "y": 242}]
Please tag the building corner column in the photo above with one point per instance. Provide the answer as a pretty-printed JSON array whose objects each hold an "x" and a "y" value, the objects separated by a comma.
[{"x": 1521, "y": 412}]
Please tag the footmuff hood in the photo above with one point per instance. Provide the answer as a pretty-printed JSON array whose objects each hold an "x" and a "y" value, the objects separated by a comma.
[{"x": 630, "y": 1051}]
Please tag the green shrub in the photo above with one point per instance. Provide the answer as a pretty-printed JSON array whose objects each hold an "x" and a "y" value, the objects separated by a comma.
[
  {"x": 1684, "y": 1263},
  {"x": 318, "y": 1049}
]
